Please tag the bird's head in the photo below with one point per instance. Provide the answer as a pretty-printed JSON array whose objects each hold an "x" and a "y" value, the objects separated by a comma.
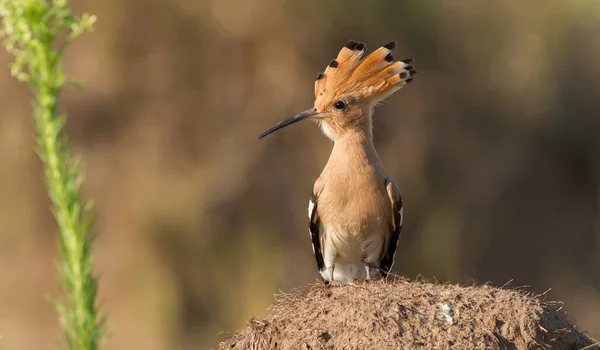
[{"x": 350, "y": 87}]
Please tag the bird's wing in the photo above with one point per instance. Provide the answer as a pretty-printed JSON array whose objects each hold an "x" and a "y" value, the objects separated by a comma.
[
  {"x": 314, "y": 227},
  {"x": 397, "y": 217}
]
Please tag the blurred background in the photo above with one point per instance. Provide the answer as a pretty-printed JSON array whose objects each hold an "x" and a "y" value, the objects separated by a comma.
[{"x": 495, "y": 146}]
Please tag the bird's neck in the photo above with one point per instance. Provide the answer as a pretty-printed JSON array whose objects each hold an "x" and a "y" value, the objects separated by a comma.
[{"x": 354, "y": 149}]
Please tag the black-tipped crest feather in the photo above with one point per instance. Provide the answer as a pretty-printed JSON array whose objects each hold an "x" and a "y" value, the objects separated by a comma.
[{"x": 375, "y": 76}]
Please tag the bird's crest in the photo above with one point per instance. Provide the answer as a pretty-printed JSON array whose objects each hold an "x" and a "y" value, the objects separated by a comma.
[{"x": 374, "y": 78}]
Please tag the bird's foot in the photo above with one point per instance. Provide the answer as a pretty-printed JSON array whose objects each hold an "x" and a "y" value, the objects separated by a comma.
[{"x": 371, "y": 272}]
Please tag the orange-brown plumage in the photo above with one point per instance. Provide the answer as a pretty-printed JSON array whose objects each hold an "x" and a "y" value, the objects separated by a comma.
[
  {"x": 371, "y": 79},
  {"x": 355, "y": 213}
]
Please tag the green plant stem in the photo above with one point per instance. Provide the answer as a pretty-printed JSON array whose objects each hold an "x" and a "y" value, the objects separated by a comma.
[{"x": 36, "y": 32}]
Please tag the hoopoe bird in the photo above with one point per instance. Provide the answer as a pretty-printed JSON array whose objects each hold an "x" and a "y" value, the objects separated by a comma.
[{"x": 355, "y": 211}]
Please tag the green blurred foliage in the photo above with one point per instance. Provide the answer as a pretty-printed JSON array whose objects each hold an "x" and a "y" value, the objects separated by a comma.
[
  {"x": 495, "y": 148},
  {"x": 36, "y": 33}
]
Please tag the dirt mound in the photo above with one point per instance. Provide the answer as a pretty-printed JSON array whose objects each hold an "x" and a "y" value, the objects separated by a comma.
[{"x": 409, "y": 315}]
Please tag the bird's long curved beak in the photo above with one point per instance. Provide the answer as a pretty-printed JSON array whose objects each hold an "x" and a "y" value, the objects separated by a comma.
[{"x": 289, "y": 121}]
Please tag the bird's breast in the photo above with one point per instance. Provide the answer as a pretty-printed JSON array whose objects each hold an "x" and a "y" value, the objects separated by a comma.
[{"x": 357, "y": 210}]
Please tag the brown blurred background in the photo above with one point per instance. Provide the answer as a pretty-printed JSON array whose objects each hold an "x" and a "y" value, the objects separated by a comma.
[{"x": 495, "y": 146}]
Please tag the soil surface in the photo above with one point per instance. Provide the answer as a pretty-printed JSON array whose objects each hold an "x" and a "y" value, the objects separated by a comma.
[{"x": 402, "y": 314}]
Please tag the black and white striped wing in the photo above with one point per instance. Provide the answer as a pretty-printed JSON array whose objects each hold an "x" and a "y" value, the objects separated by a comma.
[
  {"x": 314, "y": 227},
  {"x": 396, "y": 228}
]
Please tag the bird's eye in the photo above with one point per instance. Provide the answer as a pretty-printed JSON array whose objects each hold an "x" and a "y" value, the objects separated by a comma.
[{"x": 340, "y": 105}]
